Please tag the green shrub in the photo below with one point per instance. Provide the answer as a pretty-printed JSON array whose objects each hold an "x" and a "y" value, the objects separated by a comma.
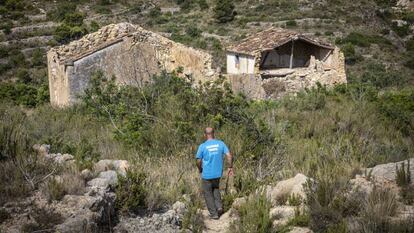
[
  {"x": 94, "y": 26},
  {"x": 4, "y": 215},
  {"x": 291, "y": 24},
  {"x": 402, "y": 30},
  {"x": 294, "y": 200},
  {"x": 203, "y": 4},
  {"x": 193, "y": 220},
  {"x": 23, "y": 76},
  {"x": 380, "y": 205},
  {"x": 131, "y": 192},
  {"x": 65, "y": 33},
  {"x": 351, "y": 57},
  {"x": 55, "y": 189},
  {"x": 254, "y": 216},
  {"x": 224, "y": 11},
  {"x": 193, "y": 31},
  {"x": 62, "y": 9},
  {"x": 377, "y": 75},
  {"x": 399, "y": 107},
  {"x": 403, "y": 174},
  {"x": 363, "y": 40},
  {"x": 38, "y": 58},
  {"x": 85, "y": 155}
]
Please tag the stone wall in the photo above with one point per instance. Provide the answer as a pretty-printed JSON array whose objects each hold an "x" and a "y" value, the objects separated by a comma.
[{"x": 129, "y": 53}]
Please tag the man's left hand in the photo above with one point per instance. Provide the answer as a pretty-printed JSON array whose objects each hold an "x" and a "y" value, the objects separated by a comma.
[{"x": 230, "y": 171}]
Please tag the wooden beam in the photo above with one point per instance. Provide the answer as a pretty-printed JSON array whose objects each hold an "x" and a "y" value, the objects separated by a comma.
[
  {"x": 264, "y": 59},
  {"x": 291, "y": 55}
]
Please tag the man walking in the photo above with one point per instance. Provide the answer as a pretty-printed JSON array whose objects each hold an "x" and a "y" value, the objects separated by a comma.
[{"x": 210, "y": 157}]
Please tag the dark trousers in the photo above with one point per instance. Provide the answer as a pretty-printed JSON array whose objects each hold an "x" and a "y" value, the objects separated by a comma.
[{"x": 212, "y": 195}]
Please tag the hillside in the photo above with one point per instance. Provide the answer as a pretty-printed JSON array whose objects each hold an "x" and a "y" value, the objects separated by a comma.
[{"x": 122, "y": 159}]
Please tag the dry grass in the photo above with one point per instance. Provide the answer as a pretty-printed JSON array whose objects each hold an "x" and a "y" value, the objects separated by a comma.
[{"x": 168, "y": 178}]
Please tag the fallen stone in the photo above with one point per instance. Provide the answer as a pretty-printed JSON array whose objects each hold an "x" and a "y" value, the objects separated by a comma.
[
  {"x": 388, "y": 171},
  {"x": 100, "y": 183},
  {"x": 111, "y": 176},
  {"x": 120, "y": 166},
  {"x": 282, "y": 212},
  {"x": 286, "y": 188},
  {"x": 42, "y": 149}
]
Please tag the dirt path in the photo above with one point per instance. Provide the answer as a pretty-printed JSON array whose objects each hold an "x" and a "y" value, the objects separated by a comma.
[{"x": 221, "y": 225}]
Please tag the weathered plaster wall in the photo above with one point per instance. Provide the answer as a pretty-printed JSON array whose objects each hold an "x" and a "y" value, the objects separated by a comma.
[
  {"x": 246, "y": 64},
  {"x": 58, "y": 82}
]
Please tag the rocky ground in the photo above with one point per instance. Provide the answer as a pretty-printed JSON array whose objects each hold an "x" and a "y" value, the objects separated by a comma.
[{"x": 94, "y": 209}]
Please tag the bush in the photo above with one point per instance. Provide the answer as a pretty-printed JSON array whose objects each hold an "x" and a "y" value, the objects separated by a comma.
[
  {"x": 351, "y": 57},
  {"x": 363, "y": 40},
  {"x": 399, "y": 107},
  {"x": 131, "y": 192},
  {"x": 254, "y": 216},
  {"x": 377, "y": 75},
  {"x": 380, "y": 205},
  {"x": 291, "y": 24},
  {"x": 55, "y": 189},
  {"x": 85, "y": 155},
  {"x": 403, "y": 175},
  {"x": 224, "y": 11},
  {"x": 193, "y": 220},
  {"x": 37, "y": 58},
  {"x": 23, "y": 76},
  {"x": 193, "y": 31}
]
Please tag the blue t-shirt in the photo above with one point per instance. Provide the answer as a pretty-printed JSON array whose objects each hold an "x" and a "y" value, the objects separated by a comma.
[{"x": 212, "y": 152}]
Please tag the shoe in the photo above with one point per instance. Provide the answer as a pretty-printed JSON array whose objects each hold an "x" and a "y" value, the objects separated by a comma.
[
  {"x": 215, "y": 216},
  {"x": 220, "y": 212}
]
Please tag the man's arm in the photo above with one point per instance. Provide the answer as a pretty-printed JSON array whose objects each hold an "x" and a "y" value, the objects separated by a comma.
[
  {"x": 229, "y": 163},
  {"x": 199, "y": 165}
]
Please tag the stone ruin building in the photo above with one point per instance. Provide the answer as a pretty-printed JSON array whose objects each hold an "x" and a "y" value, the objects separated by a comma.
[
  {"x": 128, "y": 52},
  {"x": 268, "y": 64},
  {"x": 276, "y": 61}
]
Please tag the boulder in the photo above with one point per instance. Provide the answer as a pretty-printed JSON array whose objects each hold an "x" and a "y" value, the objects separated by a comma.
[
  {"x": 388, "y": 171},
  {"x": 179, "y": 208},
  {"x": 86, "y": 174},
  {"x": 286, "y": 188},
  {"x": 120, "y": 166},
  {"x": 300, "y": 230},
  {"x": 42, "y": 149},
  {"x": 238, "y": 202},
  {"x": 282, "y": 212},
  {"x": 111, "y": 176},
  {"x": 360, "y": 184},
  {"x": 99, "y": 183},
  {"x": 84, "y": 213},
  {"x": 167, "y": 222}
]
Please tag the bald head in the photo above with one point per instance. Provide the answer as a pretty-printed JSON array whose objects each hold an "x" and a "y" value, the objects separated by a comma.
[{"x": 209, "y": 133}]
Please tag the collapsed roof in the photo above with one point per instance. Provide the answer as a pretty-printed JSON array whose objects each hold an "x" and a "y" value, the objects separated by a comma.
[{"x": 270, "y": 39}]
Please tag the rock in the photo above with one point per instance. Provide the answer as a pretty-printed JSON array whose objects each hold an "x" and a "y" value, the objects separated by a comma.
[
  {"x": 85, "y": 213},
  {"x": 286, "y": 188},
  {"x": 238, "y": 202},
  {"x": 167, "y": 222},
  {"x": 111, "y": 176},
  {"x": 120, "y": 166},
  {"x": 388, "y": 171},
  {"x": 282, "y": 212},
  {"x": 59, "y": 158},
  {"x": 42, "y": 149},
  {"x": 361, "y": 184},
  {"x": 64, "y": 158},
  {"x": 86, "y": 174},
  {"x": 99, "y": 183},
  {"x": 300, "y": 230},
  {"x": 179, "y": 208}
]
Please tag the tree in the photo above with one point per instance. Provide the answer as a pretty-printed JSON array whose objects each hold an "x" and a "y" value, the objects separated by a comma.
[{"x": 224, "y": 11}]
